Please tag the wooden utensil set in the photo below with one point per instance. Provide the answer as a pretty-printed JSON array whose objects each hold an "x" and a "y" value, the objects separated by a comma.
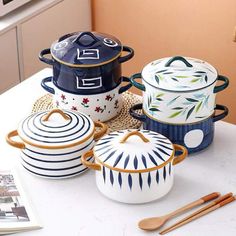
[{"x": 154, "y": 223}]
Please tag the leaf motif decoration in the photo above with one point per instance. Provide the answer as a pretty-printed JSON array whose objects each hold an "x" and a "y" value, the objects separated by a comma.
[
  {"x": 160, "y": 95},
  {"x": 206, "y": 78},
  {"x": 111, "y": 177},
  {"x": 140, "y": 181},
  {"x": 198, "y": 106},
  {"x": 149, "y": 179},
  {"x": 157, "y": 79},
  {"x": 164, "y": 173},
  {"x": 120, "y": 179},
  {"x": 200, "y": 72},
  {"x": 191, "y": 100},
  {"x": 167, "y": 73},
  {"x": 190, "y": 112},
  {"x": 175, "y": 114},
  {"x": 104, "y": 174},
  {"x": 130, "y": 182},
  {"x": 174, "y": 79},
  {"x": 172, "y": 101},
  {"x": 194, "y": 80},
  {"x": 159, "y": 99},
  {"x": 181, "y": 76},
  {"x": 157, "y": 176},
  {"x": 177, "y": 108},
  {"x": 154, "y": 109},
  {"x": 160, "y": 71}
]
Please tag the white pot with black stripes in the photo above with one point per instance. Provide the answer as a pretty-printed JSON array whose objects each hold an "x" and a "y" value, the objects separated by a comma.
[
  {"x": 52, "y": 142},
  {"x": 134, "y": 166}
]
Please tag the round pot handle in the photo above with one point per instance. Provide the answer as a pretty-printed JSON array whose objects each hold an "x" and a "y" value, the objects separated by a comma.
[
  {"x": 223, "y": 86},
  {"x": 14, "y": 143},
  {"x": 89, "y": 164},
  {"x": 58, "y": 111},
  {"x": 127, "y": 86},
  {"x": 135, "y": 132},
  {"x": 181, "y": 157},
  {"x": 44, "y": 59},
  {"x": 136, "y": 115},
  {"x": 100, "y": 133},
  {"x": 135, "y": 83},
  {"x": 178, "y": 58},
  {"x": 46, "y": 87},
  {"x": 221, "y": 115},
  {"x": 128, "y": 56}
]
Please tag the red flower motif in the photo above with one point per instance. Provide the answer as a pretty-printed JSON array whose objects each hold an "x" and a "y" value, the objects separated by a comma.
[
  {"x": 63, "y": 97},
  {"x": 108, "y": 97},
  {"x": 97, "y": 109},
  {"x": 85, "y": 100},
  {"x": 74, "y": 108}
]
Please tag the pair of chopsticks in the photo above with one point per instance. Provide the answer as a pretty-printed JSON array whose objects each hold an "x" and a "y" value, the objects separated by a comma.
[{"x": 219, "y": 202}]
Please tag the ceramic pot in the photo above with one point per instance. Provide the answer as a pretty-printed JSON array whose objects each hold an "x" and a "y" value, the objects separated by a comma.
[
  {"x": 179, "y": 90},
  {"x": 99, "y": 107},
  {"x": 195, "y": 136},
  {"x": 84, "y": 64},
  {"x": 52, "y": 142},
  {"x": 134, "y": 166}
]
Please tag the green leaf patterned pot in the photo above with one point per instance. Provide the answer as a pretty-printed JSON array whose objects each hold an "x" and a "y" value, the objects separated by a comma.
[{"x": 179, "y": 90}]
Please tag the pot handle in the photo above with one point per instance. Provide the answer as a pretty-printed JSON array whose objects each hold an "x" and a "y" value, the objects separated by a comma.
[
  {"x": 222, "y": 86},
  {"x": 100, "y": 133},
  {"x": 89, "y": 164},
  {"x": 135, "y": 83},
  {"x": 44, "y": 59},
  {"x": 46, "y": 87},
  {"x": 140, "y": 117},
  {"x": 127, "y": 86},
  {"x": 128, "y": 56},
  {"x": 178, "y": 58},
  {"x": 221, "y": 115},
  {"x": 181, "y": 157},
  {"x": 14, "y": 143},
  {"x": 78, "y": 39},
  {"x": 58, "y": 111},
  {"x": 135, "y": 132}
]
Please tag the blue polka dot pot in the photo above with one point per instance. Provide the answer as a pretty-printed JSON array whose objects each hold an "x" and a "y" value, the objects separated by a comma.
[
  {"x": 194, "y": 136},
  {"x": 134, "y": 166}
]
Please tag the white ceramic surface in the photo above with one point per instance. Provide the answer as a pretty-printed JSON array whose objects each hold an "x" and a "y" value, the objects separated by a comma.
[
  {"x": 130, "y": 171},
  {"x": 99, "y": 107}
]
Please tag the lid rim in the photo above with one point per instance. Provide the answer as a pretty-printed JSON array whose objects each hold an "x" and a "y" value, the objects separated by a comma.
[
  {"x": 139, "y": 170},
  {"x": 55, "y": 146},
  {"x": 179, "y": 91}
]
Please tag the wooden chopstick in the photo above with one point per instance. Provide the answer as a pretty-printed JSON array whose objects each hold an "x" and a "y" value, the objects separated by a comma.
[{"x": 221, "y": 201}]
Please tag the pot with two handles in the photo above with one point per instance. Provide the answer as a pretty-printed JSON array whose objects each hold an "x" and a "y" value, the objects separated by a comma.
[
  {"x": 194, "y": 136},
  {"x": 179, "y": 90},
  {"x": 52, "y": 142},
  {"x": 134, "y": 166},
  {"x": 87, "y": 73}
]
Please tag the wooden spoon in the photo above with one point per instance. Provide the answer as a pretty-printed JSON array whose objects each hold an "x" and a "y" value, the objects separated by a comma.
[{"x": 154, "y": 223}]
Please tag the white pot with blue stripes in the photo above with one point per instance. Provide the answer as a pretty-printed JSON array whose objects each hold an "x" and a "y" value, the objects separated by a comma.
[
  {"x": 53, "y": 142},
  {"x": 134, "y": 166}
]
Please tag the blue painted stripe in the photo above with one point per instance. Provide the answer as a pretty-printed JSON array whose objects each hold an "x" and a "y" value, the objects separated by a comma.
[
  {"x": 117, "y": 160},
  {"x": 109, "y": 156},
  {"x": 56, "y": 176},
  {"x": 159, "y": 156},
  {"x": 59, "y": 169},
  {"x": 59, "y": 154}
]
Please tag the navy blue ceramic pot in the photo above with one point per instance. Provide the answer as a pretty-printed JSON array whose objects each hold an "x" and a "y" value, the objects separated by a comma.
[
  {"x": 194, "y": 136},
  {"x": 87, "y": 65},
  {"x": 86, "y": 62}
]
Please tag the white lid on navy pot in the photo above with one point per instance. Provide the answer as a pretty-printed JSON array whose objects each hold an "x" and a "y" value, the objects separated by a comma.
[
  {"x": 143, "y": 150},
  {"x": 86, "y": 49},
  {"x": 179, "y": 74},
  {"x": 48, "y": 130}
]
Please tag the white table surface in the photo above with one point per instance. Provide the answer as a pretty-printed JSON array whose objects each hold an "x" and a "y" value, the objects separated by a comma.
[{"x": 74, "y": 207}]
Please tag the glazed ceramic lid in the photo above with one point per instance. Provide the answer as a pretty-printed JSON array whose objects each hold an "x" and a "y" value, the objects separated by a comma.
[
  {"x": 50, "y": 130},
  {"x": 179, "y": 74},
  {"x": 133, "y": 150},
  {"x": 86, "y": 49}
]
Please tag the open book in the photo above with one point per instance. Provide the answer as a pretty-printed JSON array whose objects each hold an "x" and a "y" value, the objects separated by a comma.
[{"x": 16, "y": 214}]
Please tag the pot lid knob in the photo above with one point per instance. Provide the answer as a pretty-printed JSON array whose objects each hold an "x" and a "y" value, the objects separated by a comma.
[
  {"x": 80, "y": 42},
  {"x": 135, "y": 132},
  {"x": 178, "y": 58}
]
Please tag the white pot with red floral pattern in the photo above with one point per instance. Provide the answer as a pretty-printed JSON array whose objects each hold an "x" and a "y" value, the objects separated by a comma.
[{"x": 99, "y": 107}]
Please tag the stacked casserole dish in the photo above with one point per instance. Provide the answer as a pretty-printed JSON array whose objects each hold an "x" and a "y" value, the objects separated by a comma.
[
  {"x": 87, "y": 73},
  {"x": 179, "y": 100},
  {"x": 53, "y": 142}
]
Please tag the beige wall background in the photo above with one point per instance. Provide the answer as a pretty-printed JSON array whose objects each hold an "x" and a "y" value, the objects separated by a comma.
[{"x": 158, "y": 28}]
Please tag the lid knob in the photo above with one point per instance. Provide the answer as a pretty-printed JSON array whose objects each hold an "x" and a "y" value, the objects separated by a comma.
[
  {"x": 64, "y": 115},
  {"x": 79, "y": 41},
  {"x": 135, "y": 132},
  {"x": 178, "y": 58}
]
